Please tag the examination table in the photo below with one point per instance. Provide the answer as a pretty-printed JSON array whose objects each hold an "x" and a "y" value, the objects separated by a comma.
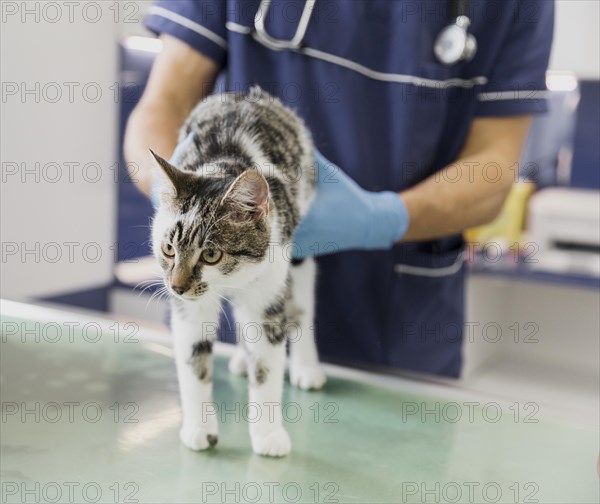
[{"x": 90, "y": 413}]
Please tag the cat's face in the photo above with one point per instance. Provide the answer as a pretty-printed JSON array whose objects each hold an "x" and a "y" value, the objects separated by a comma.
[{"x": 210, "y": 234}]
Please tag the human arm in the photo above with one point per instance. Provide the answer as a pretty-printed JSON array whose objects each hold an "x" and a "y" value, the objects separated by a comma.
[
  {"x": 471, "y": 191},
  {"x": 180, "y": 77}
]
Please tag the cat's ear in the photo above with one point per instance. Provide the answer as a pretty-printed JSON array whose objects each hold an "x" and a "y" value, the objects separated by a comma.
[
  {"x": 248, "y": 196},
  {"x": 172, "y": 181}
]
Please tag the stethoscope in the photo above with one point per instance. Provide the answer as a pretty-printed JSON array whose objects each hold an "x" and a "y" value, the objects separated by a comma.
[{"x": 452, "y": 45}]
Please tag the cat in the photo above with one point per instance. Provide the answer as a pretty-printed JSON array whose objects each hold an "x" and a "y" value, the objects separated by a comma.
[{"x": 223, "y": 230}]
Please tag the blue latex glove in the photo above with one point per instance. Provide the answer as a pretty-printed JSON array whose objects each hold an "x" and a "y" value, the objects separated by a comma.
[
  {"x": 174, "y": 160},
  {"x": 344, "y": 216}
]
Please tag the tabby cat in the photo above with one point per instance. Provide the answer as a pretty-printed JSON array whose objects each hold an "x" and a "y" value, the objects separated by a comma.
[{"x": 223, "y": 230}]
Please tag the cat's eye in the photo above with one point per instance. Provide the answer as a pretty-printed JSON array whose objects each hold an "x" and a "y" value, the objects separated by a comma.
[
  {"x": 211, "y": 256},
  {"x": 168, "y": 250}
]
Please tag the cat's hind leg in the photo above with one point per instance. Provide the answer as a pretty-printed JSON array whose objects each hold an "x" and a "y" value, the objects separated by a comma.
[
  {"x": 305, "y": 371},
  {"x": 194, "y": 326}
]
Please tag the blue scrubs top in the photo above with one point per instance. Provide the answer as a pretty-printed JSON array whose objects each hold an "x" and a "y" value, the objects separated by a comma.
[{"x": 381, "y": 106}]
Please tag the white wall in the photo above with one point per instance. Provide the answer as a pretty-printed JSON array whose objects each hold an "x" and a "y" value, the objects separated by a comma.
[
  {"x": 41, "y": 51},
  {"x": 577, "y": 38},
  {"x": 130, "y": 17}
]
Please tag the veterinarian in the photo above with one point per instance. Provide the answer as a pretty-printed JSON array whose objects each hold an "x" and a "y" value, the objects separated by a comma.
[{"x": 424, "y": 107}]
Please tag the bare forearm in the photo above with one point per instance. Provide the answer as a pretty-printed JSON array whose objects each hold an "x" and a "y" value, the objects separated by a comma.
[
  {"x": 457, "y": 198},
  {"x": 151, "y": 126},
  {"x": 179, "y": 79},
  {"x": 471, "y": 191}
]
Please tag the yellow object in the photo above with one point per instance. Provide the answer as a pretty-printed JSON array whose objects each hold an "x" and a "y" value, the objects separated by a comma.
[{"x": 508, "y": 227}]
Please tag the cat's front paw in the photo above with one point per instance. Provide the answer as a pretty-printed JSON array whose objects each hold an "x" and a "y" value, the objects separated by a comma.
[
  {"x": 307, "y": 377},
  {"x": 198, "y": 437},
  {"x": 275, "y": 443}
]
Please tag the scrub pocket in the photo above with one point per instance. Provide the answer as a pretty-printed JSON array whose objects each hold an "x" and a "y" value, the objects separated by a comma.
[{"x": 426, "y": 312}]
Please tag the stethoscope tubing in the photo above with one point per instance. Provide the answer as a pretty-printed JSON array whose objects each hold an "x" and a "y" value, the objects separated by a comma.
[{"x": 458, "y": 12}]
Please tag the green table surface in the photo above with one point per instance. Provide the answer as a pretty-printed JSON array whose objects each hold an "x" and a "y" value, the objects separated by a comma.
[{"x": 89, "y": 417}]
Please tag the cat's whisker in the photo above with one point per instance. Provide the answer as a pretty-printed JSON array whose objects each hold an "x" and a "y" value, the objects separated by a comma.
[
  {"x": 148, "y": 284},
  {"x": 149, "y": 281},
  {"x": 156, "y": 295},
  {"x": 210, "y": 299},
  {"x": 154, "y": 278},
  {"x": 147, "y": 287},
  {"x": 226, "y": 299},
  {"x": 164, "y": 293},
  {"x": 220, "y": 306},
  {"x": 157, "y": 282}
]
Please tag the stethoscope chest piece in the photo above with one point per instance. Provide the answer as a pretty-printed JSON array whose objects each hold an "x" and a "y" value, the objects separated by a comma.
[{"x": 454, "y": 43}]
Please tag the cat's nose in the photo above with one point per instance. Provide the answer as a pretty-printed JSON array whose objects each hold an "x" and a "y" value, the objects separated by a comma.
[{"x": 178, "y": 289}]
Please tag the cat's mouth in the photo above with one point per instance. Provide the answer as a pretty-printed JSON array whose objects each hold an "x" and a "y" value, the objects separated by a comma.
[
  {"x": 191, "y": 294},
  {"x": 188, "y": 297}
]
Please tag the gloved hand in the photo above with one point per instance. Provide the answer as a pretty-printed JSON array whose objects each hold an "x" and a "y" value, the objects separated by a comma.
[
  {"x": 344, "y": 216},
  {"x": 174, "y": 160}
]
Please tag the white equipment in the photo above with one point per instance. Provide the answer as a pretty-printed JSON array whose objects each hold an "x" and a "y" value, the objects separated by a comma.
[{"x": 565, "y": 224}]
